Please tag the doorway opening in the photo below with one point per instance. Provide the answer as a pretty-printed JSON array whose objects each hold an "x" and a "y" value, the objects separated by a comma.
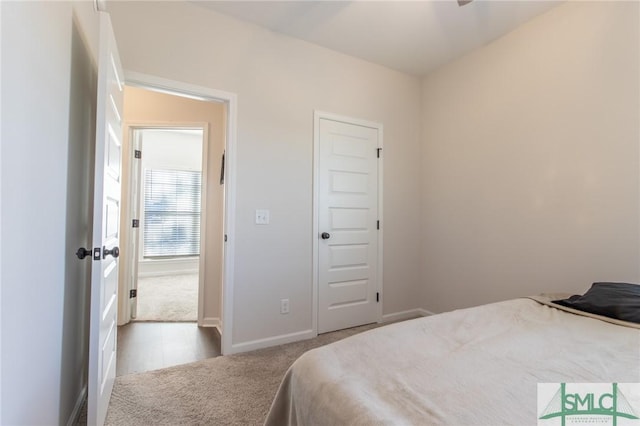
[
  {"x": 156, "y": 108},
  {"x": 168, "y": 183}
]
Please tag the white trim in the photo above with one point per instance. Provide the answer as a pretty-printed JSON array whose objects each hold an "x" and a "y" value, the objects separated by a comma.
[
  {"x": 210, "y": 322},
  {"x": 317, "y": 115},
  {"x": 164, "y": 267},
  {"x": 231, "y": 99},
  {"x": 75, "y": 414},
  {"x": 1, "y": 145},
  {"x": 404, "y": 315},
  {"x": 272, "y": 341},
  {"x": 345, "y": 119},
  {"x": 381, "y": 219},
  {"x": 426, "y": 312},
  {"x": 100, "y": 6},
  {"x": 229, "y": 225},
  {"x": 172, "y": 272},
  {"x": 202, "y": 265},
  {"x": 173, "y": 87},
  {"x": 315, "y": 249}
]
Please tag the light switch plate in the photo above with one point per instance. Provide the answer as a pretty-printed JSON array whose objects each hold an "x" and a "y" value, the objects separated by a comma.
[{"x": 262, "y": 217}]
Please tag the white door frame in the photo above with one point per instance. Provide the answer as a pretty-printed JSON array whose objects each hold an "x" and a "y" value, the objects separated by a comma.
[
  {"x": 130, "y": 128},
  {"x": 231, "y": 100},
  {"x": 317, "y": 115}
]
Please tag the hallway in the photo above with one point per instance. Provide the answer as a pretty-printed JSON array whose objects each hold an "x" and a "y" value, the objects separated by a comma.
[{"x": 144, "y": 346}]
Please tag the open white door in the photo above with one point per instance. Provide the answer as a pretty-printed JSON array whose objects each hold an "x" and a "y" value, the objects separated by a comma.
[
  {"x": 106, "y": 215},
  {"x": 135, "y": 179}
]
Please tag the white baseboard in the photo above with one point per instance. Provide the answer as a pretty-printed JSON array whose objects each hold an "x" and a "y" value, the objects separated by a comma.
[
  {"x": 403, "y": 315},
  {"x": 73, "y": 418},
  {"x": 426, "y": 312},
  {"x": 271, "y": 341},
  {"x": 210, "y": 322},
  {"x": 168, "y": 272},
  {"x": 158, "y": 268},
  {"x": 306, "y": 334}
]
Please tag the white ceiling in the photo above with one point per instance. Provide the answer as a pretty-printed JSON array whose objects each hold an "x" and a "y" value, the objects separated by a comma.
[{"x": 411, "y": 36}]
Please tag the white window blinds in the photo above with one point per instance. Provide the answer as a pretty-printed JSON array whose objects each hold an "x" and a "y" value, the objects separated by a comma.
[{"x": 171, "y": 213}]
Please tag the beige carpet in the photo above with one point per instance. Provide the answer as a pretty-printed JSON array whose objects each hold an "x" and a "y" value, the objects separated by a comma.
[
  {"x": 226, "y": 390},
  {"x": 168, "y": 298}
]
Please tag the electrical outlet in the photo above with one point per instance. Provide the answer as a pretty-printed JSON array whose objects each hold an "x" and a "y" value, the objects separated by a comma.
[
  {"x": 284, "y": 306},
  {"x": 262, "y": 217}
]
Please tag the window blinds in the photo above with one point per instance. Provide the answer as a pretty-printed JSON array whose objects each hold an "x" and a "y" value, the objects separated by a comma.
[{"x": 171, "y": 213}]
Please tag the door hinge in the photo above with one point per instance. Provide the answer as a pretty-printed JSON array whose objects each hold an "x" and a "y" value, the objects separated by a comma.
[
  {"x": 133, "y": 293},
  {"x": 378, "y": 224},
  {"x": 96, "y": 254},
  {"x": 137, "y": 154},
  {"x": 135, "y": 223},
  {"x": 379, "y": 150},
  {"x": 378, "y": 297},
  {"x": 225, "y": 238}
]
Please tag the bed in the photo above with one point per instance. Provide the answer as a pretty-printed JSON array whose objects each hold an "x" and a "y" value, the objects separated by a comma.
[{"x": 477, "y": 366}]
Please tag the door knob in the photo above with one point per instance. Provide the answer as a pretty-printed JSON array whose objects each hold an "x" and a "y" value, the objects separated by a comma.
[
  {"x": 115, "y": 252},
  {"x": 83, "y": 252},
  {"x": 325, "y": 235}
]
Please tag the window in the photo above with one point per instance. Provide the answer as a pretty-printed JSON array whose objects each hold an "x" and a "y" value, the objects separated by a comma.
[{"x": 171, "y": 213}]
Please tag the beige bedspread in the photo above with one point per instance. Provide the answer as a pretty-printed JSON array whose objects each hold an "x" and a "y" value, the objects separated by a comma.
[{"x": 477, "y": 366}]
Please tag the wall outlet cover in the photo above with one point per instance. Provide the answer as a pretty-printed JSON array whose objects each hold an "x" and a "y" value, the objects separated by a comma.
[
  {"x": 284, "y": 306},
  {"x": 262, "y": 217}
]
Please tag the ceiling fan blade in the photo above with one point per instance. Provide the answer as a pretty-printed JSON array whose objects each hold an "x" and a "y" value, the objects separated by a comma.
[{"x": 463, "y": 2}]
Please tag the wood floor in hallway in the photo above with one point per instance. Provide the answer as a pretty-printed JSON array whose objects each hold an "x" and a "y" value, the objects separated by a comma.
[{"x": 145, "y": 346}]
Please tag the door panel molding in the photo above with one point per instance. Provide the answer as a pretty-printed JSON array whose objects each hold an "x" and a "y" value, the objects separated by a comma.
[{"x": 351, "y": 149}]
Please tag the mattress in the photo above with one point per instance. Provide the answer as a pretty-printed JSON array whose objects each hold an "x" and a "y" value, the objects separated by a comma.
[{"x": 477, "y": 366}]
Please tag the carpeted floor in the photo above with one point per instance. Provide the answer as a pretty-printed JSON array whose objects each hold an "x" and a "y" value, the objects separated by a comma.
[
  {"x": 226, "y": 390},
  {"x": 168, "y": 298}
]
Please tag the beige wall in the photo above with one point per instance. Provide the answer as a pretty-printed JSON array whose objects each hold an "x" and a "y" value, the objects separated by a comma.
[
  {"x": 279, "y": 82},
  {"x": 530, "y": 167},
  {"x": 48, "y": 133},
  {"x": 511, "y": 171},
  {"x": 146, "y": 107},
  {"x": 530, "y": 158}
]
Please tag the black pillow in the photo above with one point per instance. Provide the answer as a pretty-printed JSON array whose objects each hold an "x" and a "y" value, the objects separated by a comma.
[{"x": 614, "y": 300}]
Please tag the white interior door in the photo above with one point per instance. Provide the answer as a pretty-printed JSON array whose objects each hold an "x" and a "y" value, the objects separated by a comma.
[
  {"x": 348, "y": 280},
  {"x": 104, "y": 275},
  {"x": 134, "y": 233}
]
